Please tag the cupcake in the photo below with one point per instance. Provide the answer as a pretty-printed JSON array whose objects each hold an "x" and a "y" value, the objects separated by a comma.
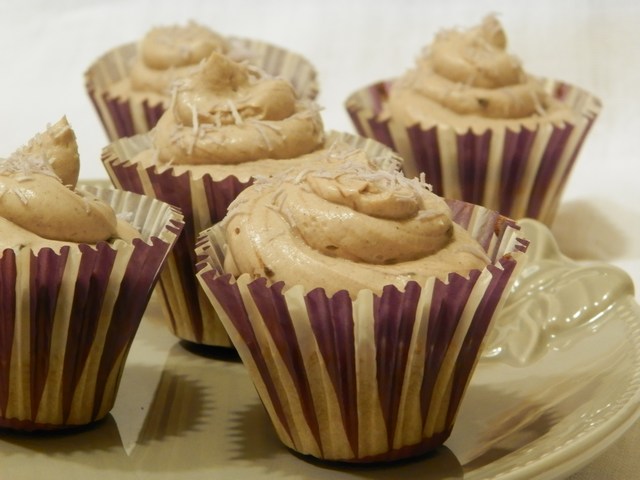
[
  {"x": 77, "y": 268},
  {"x": 481, "y": 128},
  {"x": 359, "y": 302},
  {"x": 131, "y": 85},
  {"x": 227, "y": 125}
]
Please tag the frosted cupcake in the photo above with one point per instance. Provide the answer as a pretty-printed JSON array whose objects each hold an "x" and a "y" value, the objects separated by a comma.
[
  {"x": 227, "y": 125},
  {"x": 77, "y": 268},
  {"x": 131, "y": 85},
  {"x": 481, "y": 128},
  {"x": 359, "y": 302}
]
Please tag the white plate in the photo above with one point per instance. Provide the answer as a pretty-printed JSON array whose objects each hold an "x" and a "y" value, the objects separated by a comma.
[{"x": 558, "y": 384}]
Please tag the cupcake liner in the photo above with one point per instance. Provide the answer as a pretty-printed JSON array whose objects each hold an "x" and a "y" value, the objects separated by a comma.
[
  {"x": 377, "y": 378},
  {"x": 125, "y": 117},
  {"x": 68, "y": 318},
  {"x": 518, "y": 173},
  {"x": 203, "y": 202}
]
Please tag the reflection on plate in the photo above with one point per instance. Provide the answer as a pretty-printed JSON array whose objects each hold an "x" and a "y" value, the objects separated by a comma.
[{"x": 559, "y": 382}]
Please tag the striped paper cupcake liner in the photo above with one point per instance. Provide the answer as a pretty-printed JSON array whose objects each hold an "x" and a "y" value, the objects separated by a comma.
[
  {"x": 377, "y": 378},
  {"x": 137, "y": 114},
  {"x": 68, "y": 318},
  {"x": 518, "y": 173},
  {"x": 203, "y": 202}
]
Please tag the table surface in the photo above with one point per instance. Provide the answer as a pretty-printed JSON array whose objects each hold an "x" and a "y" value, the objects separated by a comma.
[{"x": 47, "y": 46}]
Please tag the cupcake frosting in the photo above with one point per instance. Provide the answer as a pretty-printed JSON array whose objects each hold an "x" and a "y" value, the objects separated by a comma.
[
  {"x": 347, "y": 228},
  {"x": 171, "y": 52},
  {"x": 466, "y": 77},
  {"x": 229, "y": 114},
  {"x": 39, "y": 205}
]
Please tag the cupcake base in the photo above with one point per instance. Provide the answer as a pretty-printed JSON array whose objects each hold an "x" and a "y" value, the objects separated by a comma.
[
  {"x": 371, "y": 379},
  {"x": 69, "y": 318},
  {"x": 397, "y": 455}
]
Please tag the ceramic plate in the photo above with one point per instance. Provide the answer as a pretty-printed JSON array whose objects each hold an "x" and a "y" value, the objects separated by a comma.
[{"x": 558, "y": 383}]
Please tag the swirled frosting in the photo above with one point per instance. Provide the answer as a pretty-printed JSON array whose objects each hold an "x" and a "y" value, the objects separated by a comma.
[
  {"x": 467, "y": 77},
  {"x": 168, "y": 53},
  {"x": 172, "y": 52},
  {"x": 38, "y": 204},
  {"x": 228, "y": 114},
  {"x": 346, "y": 228}
]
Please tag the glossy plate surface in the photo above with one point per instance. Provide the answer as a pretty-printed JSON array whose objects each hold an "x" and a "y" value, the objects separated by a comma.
[{"x": 558, "y": 383}]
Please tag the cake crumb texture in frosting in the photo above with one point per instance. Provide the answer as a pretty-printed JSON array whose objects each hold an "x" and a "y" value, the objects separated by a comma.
[
  {"x": 347, "y": 228},
  {"x": 468, "y": 77},
  {"x": 39, "y": 205}
]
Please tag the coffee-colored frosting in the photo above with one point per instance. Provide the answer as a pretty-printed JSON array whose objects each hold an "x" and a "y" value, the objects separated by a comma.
[
  {"x": 168, "y": 53},
  {"x": 348, "y": 228},
  {"x": 38, "y": 204},
  {"x": 228, "y": 114},
  {"x": 56, "y": 146},
  {"x": 172, "y": 52},
  {"x": 467, "y": 78}
]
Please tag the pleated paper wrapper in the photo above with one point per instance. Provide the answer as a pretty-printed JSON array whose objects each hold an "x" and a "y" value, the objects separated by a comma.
[
  {"x": 136, "y": 114},
  {"x": 203, "y": 202},
  {"x": 68, "y": 318},
  {"x": 517, "y": 173},
  {"x": 377, "y": 378}
]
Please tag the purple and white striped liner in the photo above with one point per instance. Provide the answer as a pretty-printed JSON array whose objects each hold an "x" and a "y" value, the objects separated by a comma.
[
  {"x": 517, "y": 173},
  {"x": 203, "y": 202},
  {"x": 376, "y": 378},
  {"x": 137, "y": 114},
  {"x": 68, "y": 318}
]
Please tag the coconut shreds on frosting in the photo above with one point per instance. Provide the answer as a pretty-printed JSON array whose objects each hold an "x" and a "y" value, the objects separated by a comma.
[
  {"x": 230, "y": 119},
  {"x": 39, "y": 205},
  {"x": 22, "y": 166},
  {"x": 349, "y": 227},
  {"x": 226, "y": 113}
]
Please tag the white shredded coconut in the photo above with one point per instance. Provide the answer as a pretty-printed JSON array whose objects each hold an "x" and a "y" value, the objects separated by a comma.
[
  {"x": 21, "y": 194},
  {"x": 194, "y": 118},
  {"x": 234, "y": 111},
  {"x": 194, "y": 140},
  {"x": 87, "y": 205},
  {"x": 174, "y": 96},
  {"x": 537, "y": 104},
  {"x": 21, "y": 164}
]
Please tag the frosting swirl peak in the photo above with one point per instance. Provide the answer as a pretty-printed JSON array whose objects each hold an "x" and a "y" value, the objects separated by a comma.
[
  {"x": 171, "y": 52},
  {"x": 38, "y": 202},
  {"x": 467, "y": 76},
  {"x": 229, "y": 113},
  {"x": 476, "y": 57}
]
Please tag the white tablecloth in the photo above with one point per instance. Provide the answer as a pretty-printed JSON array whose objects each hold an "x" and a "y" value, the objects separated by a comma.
[{"x": 46, "y": 46}]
